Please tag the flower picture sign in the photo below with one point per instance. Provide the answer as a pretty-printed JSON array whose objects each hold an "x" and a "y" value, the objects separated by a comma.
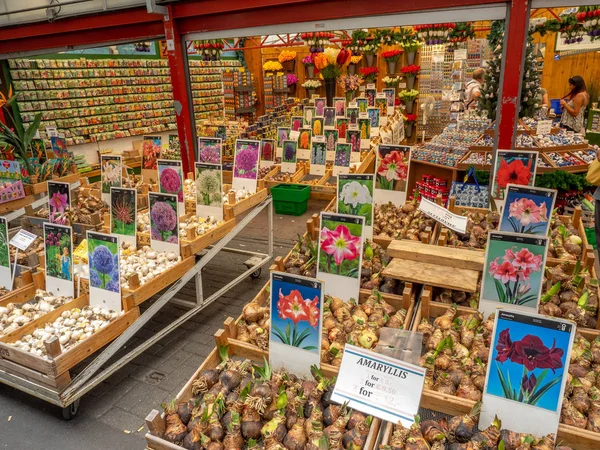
[
  {"x": 245, "y": 165},
  {"x": 209, "y": 150},
  {"x": 391, "y": 169},
  {"x": 5, "y": 272},
  {"x": 527, "y": 210},
  {"x": 151, "y": 152},
  {"x": 514, "y": 167},
  {"x": 123, "y": 214},
  {"x": 289, "y": 156},
  {"x": 318, "y": 156},
  {"x": 111, "y": 174},
  {"x": 105, "y": 283},
  {"x": 341, "y": 163},
  {"x": 209, "y": 186},
  {"x": 58, "y": 245},
  {"x": 295, "y": 332},
  {"x": 353, "y": 138},
  {"x": 267, "y": 152},
  {"x": 513, "y": 272},
  {"x": 355, "y": 197},
  {"x": 170, "y": 181},
  {"x": 527, "y": 372},
  {"x": 340, "y": 254},
  {"x": 59, "y": 202},
  {"x": 164, "y": 222}
]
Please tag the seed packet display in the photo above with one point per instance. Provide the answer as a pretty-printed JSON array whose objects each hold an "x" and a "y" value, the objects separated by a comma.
[
  {"x": 164, "y": 222},
  {"x": 364, "y": 126},
  {"x": 295, "y": 332},
  {"x": 513, "y": 273},
  {"x": 527, "y": 372},
  {"x": 296, "y": 123},
  {"x": 309, "y": 113},
  {"x": 59, "y": 202},
  {"x": 362, "y": 103},
  {"x": 331, "y": 138},
  {"x": 355, "y": 197},
  {"x": 267, "y": 152},
  {"x": 170, "y": 181},
  {"x": 370, "y": 95},
  {"x": 352, "y": 113},
  {"x": 340, "y": 254},
  {"x": 391, "y": 174},
  {"x": 288, "y": 159},
  {"x": 123, "y": 214},
  {"x": 320, "y": 105},
  {"x": 329, "y": 116},
  {"x": 210, "y": 150},
  {"x": 5, "y": 272},
  {"x": 317, "y": 125},
  {"x": 515, "y": 167},
  {"x": 58, "y": 245},
  {"x": 341, "y": 125},
  {"x": 38, "y": 150},
  {"x": 151, "y": 152},
  {"x": 353, "y": 138},
  {"x": 527, "y": 210},
  {"x": 103, "y": 262},
  {"x": 304, "y": 140},
  {"x": 318, "y": 156},
  {"x": 111, "y": 174},
  {"x": 282, "y": 135},
  {"x": 209, "y": 185},
  {"x": 341, "y": 163},
  {"x": 245, "y": 165}
]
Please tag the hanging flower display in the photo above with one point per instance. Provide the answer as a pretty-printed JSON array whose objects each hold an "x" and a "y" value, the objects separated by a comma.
[
  {"x": 410, "y": 71},
  {"x": 369, "y": 74},
  {"x": 391, "y": 55},
  {"x": 589, "y": 17},
  {"x": 410, "y": 118},
  {"x": 317, "y": 40},
  {"x": 433, "y": 34},
  {"x": 210, "y": 50}
]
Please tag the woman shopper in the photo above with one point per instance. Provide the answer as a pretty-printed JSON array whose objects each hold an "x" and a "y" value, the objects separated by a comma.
[{"x": 573, "y": 105}]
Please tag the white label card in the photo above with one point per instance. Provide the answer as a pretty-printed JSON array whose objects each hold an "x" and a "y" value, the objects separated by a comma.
[
  {"x": 379, "y": 385},
  {"x": 543, "y": 127},
  {"x": 442, "y": 215},
  {"x": 460, "y": 54},
  {"x": 22, "y": 240}
]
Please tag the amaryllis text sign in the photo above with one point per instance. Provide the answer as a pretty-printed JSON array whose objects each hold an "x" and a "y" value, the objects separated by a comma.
[
  {"x": 379, "y": 385},
  {"x": 442, "y": 215}
]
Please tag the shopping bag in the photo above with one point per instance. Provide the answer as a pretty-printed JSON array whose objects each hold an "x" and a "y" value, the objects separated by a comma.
[
  {"x": 593, "y": 175},
  {"x": 471, "y": 195}
]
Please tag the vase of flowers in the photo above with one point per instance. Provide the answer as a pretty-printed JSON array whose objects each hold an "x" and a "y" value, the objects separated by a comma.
[
  {"x": 411, "y": 46},
  {"x": 354, "y": 60},
  {"x": 391, "y": 82},
  {"x": 330, "y": 63},
  {"x": 349, "y": 84},
  {"x": 311, "y": 87},
  {"x": 287, "y": 58},
  {"x": 272, "y": 67},
  {"x": 409, "y": 121},
  {"x": 309, "y": 63},
  {"x": 408, "y": 97},
  {"x": 369, "y": 74},
  {"x": 291, "y": 80},
  {"x": 410, "y": 73},
  {"x": 391, "y": 58}
]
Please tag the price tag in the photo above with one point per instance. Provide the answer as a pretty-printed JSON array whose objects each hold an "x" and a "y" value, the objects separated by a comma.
[
  {"x": 76, "y": 184},
  {"x": 379, "y": 385},
  {"x": 460, "y": 54},
  {"x": 543, "y": 127},
  {"x": 22, "y": 240},
  {"x": 294, "y": 135},
  {"x": 51, "y": 132},
  {"x": 371, "y": 86},
  {"x": 442, "y": 215},
  {"x": 15, "y": 214},
  {"x": 438, "y": 58}
]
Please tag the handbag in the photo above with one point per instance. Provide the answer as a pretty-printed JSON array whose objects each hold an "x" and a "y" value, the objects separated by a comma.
[
  {"x": 593, "y": 175},
  {"x": 471, "y": 195}
]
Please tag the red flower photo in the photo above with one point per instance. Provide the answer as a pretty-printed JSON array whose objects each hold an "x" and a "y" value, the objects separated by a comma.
[{"x": 514, "y": 169}]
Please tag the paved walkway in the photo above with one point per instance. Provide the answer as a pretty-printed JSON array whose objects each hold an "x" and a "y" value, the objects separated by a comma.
[{"x": 112, "y": 415}]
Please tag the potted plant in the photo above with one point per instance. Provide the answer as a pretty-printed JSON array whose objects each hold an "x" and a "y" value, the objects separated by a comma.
[
  {"x": 309, "y": 63},
  {"x": 410, "y": 73},
  {"x": 291, "y": 80},
  {"x": 349, "y": 84},
  {"x": 311, "y": 86},
  {"x": 287, "y": 58},
  {"x": 354, "y": 60},
  {"x": 391, "y": 58},
  {"x": 330, "y": 64},
  {"x": 408, "y": 97},
  {"x": 411, "y": 46},
  {"x": 369, "y": 74},
  {"x": 409, "y": 121}
]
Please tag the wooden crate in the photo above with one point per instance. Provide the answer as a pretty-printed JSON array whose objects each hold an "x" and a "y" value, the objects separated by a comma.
[
  {"x": 292, "y": 178},
  {"x": 26, "y": 285},
  {"x": 155, "y": 421},
  {"x": 588, "y": 255},
  {"x": 233, "y": 209},
  {"x": 194, "y": 243},
  {"x": 54, "y": 371},
  {"x": 39, "y": 188}
]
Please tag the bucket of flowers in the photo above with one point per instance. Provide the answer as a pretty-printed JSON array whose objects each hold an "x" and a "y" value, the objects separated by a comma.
[
  {"x": 391, "y": 82},
  {"x": 434, "y": 34},
  {"x": 287, "y": 58},
  {"x": 311, "y": 86},
  {"x": 309, "y": 63},
  {"x": 369, "y": 74},
  {"x": 271, "y": 67},
  {"x": 408, "y": 97},
  {"x": 354, "y": 60},
  {"x": 409, "y": 121},
  {"x": 330, "y": 64},
  {"x": 411, "y": 46},
  {"x": 410, "y": 73},
  {"x": 391, "y": 58},
  {"x": 291, "y": 80},
  {"x": 349, "y": 84}
]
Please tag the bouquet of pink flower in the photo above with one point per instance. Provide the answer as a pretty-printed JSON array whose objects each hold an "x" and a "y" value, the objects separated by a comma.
[
  {"x": 291, "y": 79},
  {"x": 308, "y": 60}
]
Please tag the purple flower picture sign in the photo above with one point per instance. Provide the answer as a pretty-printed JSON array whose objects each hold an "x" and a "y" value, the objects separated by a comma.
[
  {"x": 245, "y": 165},
  {"x": 170, "y": 181},
  {"x": 105, "y": 281},
  {"x": 164, "y": 222},
  {"x": 209, "y": 150}
]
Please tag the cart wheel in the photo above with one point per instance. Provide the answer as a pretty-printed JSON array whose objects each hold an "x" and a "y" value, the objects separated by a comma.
[
  {"x": 70, "y": 411},
  {"x": 254, "y": 275}
]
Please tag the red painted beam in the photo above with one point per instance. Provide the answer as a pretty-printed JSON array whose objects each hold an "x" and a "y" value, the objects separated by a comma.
[
  {"x": 510, "y": 92},
  {"x": 206, "y": 7}
]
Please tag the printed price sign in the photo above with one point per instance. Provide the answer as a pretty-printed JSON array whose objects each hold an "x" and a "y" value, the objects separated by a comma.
[
  {"x": 543, "y": 127},
  {"x": 379, "y": 385},
  {"x": 22, "y": 240},
  {"x": 460, "y": 54},
  {"x": 442, "y": 215}
]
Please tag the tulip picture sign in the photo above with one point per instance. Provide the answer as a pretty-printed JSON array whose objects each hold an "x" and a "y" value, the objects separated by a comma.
[
  {"x": 295, "y": 332},
  {"x": 105, "y": 282},
  {"x": 527, "y": 210},
  {"x": 340, "y": 254},
  {"x": 355, "y": 197},
  {"x": 514, "y": 167},
  {"x": 58, "y": 245},
  {"x": 527, "y": 372},
  {"x": 513, "y": 272},
  {"x": 391, "y": 174}
]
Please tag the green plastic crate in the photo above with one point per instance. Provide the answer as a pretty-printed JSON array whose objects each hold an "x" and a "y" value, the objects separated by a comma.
[
  {"x": 290, "y": 199},
  {"x": 590, "y": 233}
]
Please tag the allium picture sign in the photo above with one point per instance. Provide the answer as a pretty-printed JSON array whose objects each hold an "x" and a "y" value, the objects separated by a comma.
[
  {"x": 111, "y": 173},
  {"x": 340, "y": 254},
  {"x": 5, "y": 267},
  {"x": 527, "y": 371},
  {"x": 513, "y": 167},
  {"x": 59, "y": 202},
  {"x": 58, "y": 244},
  {"x": 527, "y": 210},
  {"x": 123, "y": 213},
  {"x": 170, "y": 181},
  {"x": 209, "y": 187},
  {"x": 513, "y": 272},
  {"x": 103, "y": 261},
  {"x": 245, "y": 165},
  {"x": 295, "y": 332},
  {"x": 209, "y": 150},
  {"x": 392, "y": 167},
  {"x": 164, "y": 222}
]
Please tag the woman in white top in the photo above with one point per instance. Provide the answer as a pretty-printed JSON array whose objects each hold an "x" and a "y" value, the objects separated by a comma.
[{"x": 573, "y": 105}]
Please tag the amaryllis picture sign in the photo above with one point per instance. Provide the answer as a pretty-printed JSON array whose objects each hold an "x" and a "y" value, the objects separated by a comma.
[
  {"x": 513, "y": 167},
  {"x": 527, "y": 210},
  {"x": 392, "y": 168}
]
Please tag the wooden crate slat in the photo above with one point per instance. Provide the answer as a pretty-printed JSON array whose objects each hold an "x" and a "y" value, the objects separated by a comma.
[
  {"x": 444, "y": 256},
  {"x": 189, "y": 248}
]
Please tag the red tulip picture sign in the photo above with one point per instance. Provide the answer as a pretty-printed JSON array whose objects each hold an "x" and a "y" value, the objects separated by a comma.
[
  {"x": 514, "y": 167},
  {"x": 527, "y": 372}
]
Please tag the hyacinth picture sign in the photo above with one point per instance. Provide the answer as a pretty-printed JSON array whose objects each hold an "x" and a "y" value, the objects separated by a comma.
[
  {"x": 164, "y": 222},
  {"x": 170, "y": 181},
  {"x": 527, "y": 372},
  {"x": 289, "y": 156},
  {"x": 353, "y": 138},
  {"x": 297, "y": 122},
  {"x": 308, "y": 114},
  {"x": 329, "y": 116},
  {"x": 103, "y": 261},
  {"x": 245, "y": 165},
  {"x": 59, "y": 202},
  {"x": 339, "y": 256},
  {"x": 267, "y": 152},
  {"x": 209, "y": 186},
  {"x": 282, "y": 135},
  {"x": 318, "y": 156},
  {"x": 513, "y": 273},
  {"x": 111, "y": 174},
  {"x": 341, "y": 163},
  {"x": 58, "y": 245},
  {"x": 364, "y": 126},
  {"x": 304, "y": 143},
  {"x": 123, "y": 214},
  {"x": 295, "y": 332},
  {"x": 355, "y": 197},
  {"x": 391, "y": 174},
  {"x": 209, "y": 150},
  {"x": 5, "y": 272},
  {"x": 527, "y": 210}
]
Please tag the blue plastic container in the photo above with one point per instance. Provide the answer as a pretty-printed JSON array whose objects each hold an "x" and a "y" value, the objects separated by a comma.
[{"x": 555, "y": 105}]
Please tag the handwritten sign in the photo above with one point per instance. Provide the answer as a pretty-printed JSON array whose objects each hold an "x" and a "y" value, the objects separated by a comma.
[
  {"x": 543, "y": 127},
  {"x": 22, "y": 240},
  {"x": 442, "y": 215},
  {"x": 379, "y": 385}
]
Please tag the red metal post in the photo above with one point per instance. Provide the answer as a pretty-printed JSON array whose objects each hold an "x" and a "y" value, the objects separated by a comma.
[
  {"x": 514, "y": 53},
  {"x": 177, "y": 64}
]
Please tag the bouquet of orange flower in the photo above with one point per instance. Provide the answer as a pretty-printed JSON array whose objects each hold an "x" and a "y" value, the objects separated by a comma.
[
  {"x": 331, "y": 62},
  {"x": 287, "y": 55}
]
